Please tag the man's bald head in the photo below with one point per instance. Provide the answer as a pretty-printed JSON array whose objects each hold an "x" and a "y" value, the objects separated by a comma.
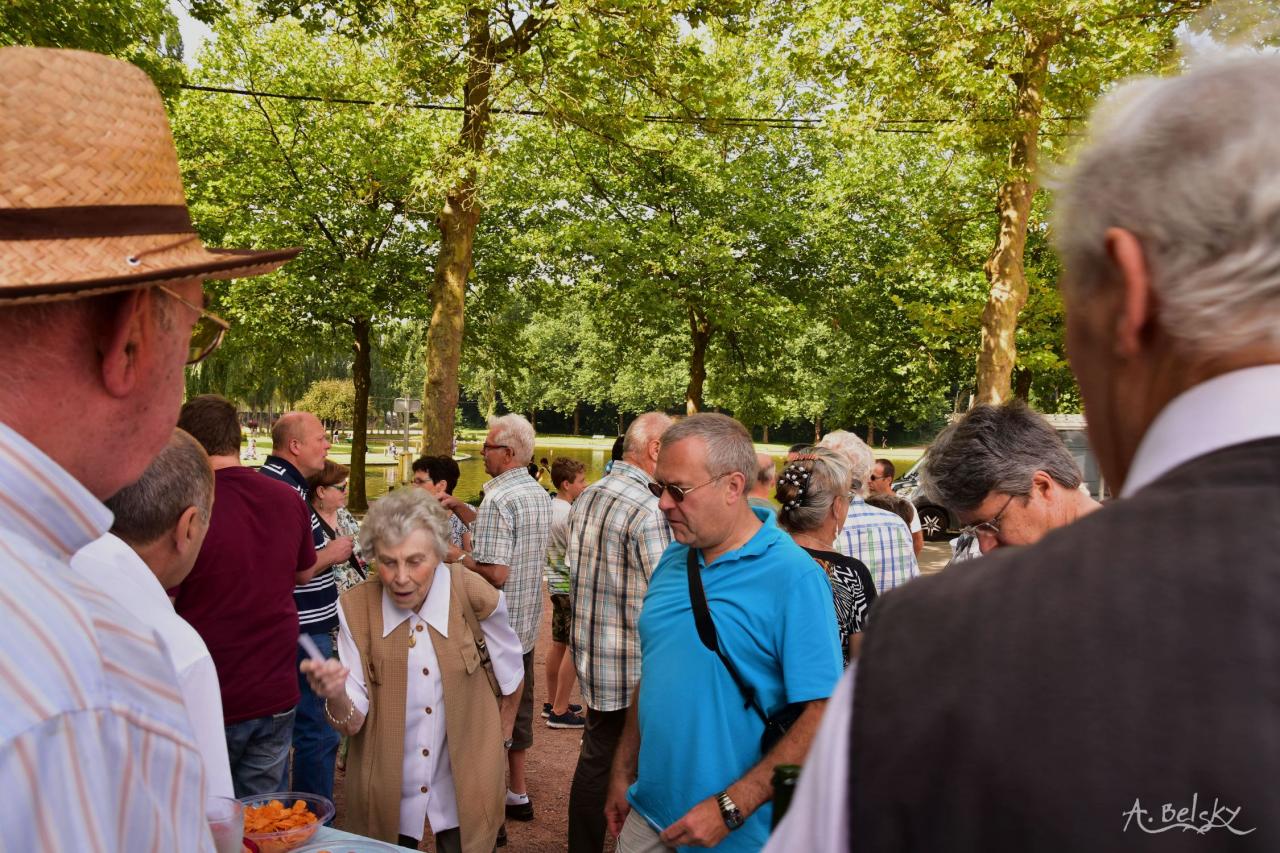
[
  {"x": 643, "y": 438},
  {"x": 300, "y": 438},
  {"x": 766, "y": 476}
]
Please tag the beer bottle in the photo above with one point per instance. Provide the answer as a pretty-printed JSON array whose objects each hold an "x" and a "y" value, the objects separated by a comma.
[{"x": 785, "y": 779}]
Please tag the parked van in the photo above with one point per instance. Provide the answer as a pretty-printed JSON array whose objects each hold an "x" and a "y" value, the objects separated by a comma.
[{"x": 937, "y": 522}]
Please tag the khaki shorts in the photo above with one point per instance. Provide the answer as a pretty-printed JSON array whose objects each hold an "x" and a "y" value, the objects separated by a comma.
[{"x": 561, "y": 618}]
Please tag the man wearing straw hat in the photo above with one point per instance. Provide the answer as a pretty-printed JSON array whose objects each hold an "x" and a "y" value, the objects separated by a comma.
[{"x": 100, "y": 306}]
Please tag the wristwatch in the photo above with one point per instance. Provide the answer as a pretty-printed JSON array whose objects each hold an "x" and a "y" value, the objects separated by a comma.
[{"x": 729, "y": 811}]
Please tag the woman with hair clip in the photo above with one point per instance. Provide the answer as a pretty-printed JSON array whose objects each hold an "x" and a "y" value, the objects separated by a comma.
[{"x": 814, "y": 493}]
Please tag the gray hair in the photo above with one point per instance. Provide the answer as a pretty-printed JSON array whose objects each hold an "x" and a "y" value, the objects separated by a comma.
[
  {"x": 393, "y": 518},
  {"x": 644, "y": 429},
  {"x": 856, "y": 453},
  {"x": 808, "y": 487},
  {"x": 1188, "y": 165},
  {"x": 994, "y": 449},
  {"x": 766, "y": 470},
  {"x": 729, "y": 447},
  {"x": 178, "y": 478},
  {"x": 515, "y": 432}
]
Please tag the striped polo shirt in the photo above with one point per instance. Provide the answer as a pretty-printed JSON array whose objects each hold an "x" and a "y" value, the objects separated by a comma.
[
  {"x": 96, "y": 750},
  {"x": 317, "y": 599}
]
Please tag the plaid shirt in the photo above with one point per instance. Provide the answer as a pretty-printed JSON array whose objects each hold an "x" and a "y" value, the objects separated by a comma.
[
  {"x": 882, "y": 541},
  {"x": 511, "y": 529},
  {"x": 616, "y": 536}
]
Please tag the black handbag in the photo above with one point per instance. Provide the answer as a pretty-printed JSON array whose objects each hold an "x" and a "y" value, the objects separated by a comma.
[{"x": 775, "y": 726}]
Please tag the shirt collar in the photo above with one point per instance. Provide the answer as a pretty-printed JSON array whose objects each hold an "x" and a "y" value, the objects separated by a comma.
[
  {"x": 626, "y": 469},
  {"x": 763, "y": 539},
  {"x": 506, "y": 477},
  {"x": 290, "y": 470},
  {"x": 1230, "y": 409},
  {"x": 434, "y": 610},
  {"x": 43, "y": 501}
]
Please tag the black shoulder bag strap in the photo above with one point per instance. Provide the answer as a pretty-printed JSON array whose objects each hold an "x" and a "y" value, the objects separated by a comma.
[{"x": 707, "y": 633}]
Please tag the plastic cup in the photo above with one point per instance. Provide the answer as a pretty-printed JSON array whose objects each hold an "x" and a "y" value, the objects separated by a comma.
[{"x": 226, "y": 821}]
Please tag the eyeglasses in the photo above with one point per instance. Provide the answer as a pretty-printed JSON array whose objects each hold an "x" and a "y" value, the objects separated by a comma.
[
  {"x": 342, "y": 487},
  {"x": 990, "y": 527},
  {"x": 206, "y": 334},
  {"x": 678, "y": 492},
  {"x": 486, "y": 447}
]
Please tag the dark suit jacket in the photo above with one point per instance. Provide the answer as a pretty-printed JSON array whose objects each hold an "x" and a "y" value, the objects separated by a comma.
[{"x": 1028, "y": 701}]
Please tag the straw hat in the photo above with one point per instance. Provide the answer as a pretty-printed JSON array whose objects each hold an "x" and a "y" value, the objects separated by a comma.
[{"x": 91, "y": 199}]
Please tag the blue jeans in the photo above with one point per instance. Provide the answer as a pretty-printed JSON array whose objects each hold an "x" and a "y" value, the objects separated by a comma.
[
  {"x": 315, "y": 742},
  {"x": 259, "y": 753}
]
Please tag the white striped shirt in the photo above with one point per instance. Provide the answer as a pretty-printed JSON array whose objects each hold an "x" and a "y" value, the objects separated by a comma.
[{"x": 96, "y": 752}]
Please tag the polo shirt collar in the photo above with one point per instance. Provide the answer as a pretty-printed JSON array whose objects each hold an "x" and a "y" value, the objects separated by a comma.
[
  {"x": 434, "y": 610},
  {"x": 290, "y": 471},
  {"x": 764, "y": 539}
]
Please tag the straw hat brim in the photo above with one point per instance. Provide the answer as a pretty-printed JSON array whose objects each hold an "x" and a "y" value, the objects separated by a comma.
[{"x": 217, "y": 264}]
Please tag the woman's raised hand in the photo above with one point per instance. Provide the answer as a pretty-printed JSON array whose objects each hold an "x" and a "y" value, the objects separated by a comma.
[{"x": 327, "y": 679}]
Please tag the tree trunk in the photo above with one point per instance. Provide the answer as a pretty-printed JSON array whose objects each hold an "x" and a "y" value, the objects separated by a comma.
[
  {"x": 457, "y": 222},
  {"x": 533, "y": 419},
  {"x": 1022, "y": 384},
  {"x": 871, "y": 433},
  {"x": 621, "y": 424},
  {"x": 357, "y": 498},
  {"x": 1004, "y": 268},
  {"x": 764, "y": 439},
  {"x": 817, "y": 430},
  {"x": 577, "y": 415},
  {"x": 700, "y": 332}
]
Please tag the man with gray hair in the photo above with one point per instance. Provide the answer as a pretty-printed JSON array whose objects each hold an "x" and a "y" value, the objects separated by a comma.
[
  {"x": 1118, "y": 679},
  {"x": 616, "y": 536},
  {"x": 738, "y": 627},
  {"x": 159, "y": 526},
  {"x": 1005, "y": 473},
  {"x": 510, "y": 546},
  {"x": 764, "y": 484},
  {"x": 878, "y": 538}
]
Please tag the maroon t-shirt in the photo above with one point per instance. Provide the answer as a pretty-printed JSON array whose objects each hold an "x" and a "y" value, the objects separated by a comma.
[{"x": 239, "y": 596}]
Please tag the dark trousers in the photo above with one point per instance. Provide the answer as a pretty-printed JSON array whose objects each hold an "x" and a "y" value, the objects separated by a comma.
[
  {"x": 315, "y": 742},
  {"x": 590, "y": 785}
]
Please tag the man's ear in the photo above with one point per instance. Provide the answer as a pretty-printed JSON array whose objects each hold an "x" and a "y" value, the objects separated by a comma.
[
  {"x": 186, "y": 533},
  {"x": 655, "y": 445},
  {"x": 1042, "y": 484},
  {"x": 1135, "y": 313},
  {"x": 121, "y": 338}
]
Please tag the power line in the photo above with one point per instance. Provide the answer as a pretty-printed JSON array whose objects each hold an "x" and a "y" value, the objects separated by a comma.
[{"x": 882, "y": 126}]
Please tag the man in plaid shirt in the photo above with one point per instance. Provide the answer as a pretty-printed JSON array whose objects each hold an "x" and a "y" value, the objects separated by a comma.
[
  {"x": 616, "y": 536},
  {"x": 877, "y": 537},
  {"x": 510, "y": 535}
]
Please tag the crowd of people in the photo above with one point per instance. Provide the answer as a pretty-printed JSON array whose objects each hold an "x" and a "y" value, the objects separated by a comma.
[{"x": 1081, "y": 678}]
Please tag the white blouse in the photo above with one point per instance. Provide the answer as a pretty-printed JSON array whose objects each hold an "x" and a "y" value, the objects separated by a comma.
[{"x": 426, "y": 788}]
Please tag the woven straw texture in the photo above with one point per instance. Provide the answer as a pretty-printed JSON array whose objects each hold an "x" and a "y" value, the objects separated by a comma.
[{"x": 80, "y": 129}]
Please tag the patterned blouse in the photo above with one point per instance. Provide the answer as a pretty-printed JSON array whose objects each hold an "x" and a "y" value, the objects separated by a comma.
[
  {"x": 852, "y": 590},
  {"x": 354, "y": 570}
]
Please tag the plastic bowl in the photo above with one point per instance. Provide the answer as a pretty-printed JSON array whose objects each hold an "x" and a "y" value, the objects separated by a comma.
[
  {"x": 337, "y": 845},
  {"x": 289, "y": 839}
]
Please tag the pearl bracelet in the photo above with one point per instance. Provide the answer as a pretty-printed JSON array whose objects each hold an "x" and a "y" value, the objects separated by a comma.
[{"x": 336, "y": 723}]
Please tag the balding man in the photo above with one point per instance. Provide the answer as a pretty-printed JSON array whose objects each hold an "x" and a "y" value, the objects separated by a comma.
[
  {"x": 160, "y": 523},
  {"x": 616, "y": 536},
  {"x": 878, "y": 538},
  {"x": 763, "y": 485},
  {"x": 101, "y": 303},
  {"x": 299, "y": 444},
  {"x": 1113, "y": 687}
]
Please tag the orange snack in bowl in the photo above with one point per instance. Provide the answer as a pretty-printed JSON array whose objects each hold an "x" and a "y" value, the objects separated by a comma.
[{"x": 274, "y": 817}]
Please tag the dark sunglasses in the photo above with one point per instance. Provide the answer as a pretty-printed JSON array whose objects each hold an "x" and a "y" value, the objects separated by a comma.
[{"x": 678, "y": 492}]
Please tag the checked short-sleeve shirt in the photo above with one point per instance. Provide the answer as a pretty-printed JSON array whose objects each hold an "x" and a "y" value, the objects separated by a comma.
[
  {"x": 511, "y": 529},
  {"x": 616, "y": 536},
  {"x": 882, "y": 541}
]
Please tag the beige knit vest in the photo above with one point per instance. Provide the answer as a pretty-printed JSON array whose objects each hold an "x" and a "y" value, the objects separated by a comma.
[{"x": 473, "y": 730}]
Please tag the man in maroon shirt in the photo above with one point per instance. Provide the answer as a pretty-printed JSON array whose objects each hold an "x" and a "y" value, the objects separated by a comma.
[{"x": 239, "y": 597}]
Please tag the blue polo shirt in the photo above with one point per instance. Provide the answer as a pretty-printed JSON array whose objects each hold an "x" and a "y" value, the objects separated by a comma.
[
  {"x": 774, "y": 617},
  {"x": 317, "y": 599}
]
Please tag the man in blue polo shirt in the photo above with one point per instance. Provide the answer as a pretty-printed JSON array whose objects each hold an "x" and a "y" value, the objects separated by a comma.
[
  {"x": 689, "y": 770},
  {"x": 299, "y": 444}
]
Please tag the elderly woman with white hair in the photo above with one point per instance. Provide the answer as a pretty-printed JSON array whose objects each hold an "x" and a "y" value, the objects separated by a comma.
[
  {"x": 814, "y": 493},
  {"x": 429, "y": 677}
]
